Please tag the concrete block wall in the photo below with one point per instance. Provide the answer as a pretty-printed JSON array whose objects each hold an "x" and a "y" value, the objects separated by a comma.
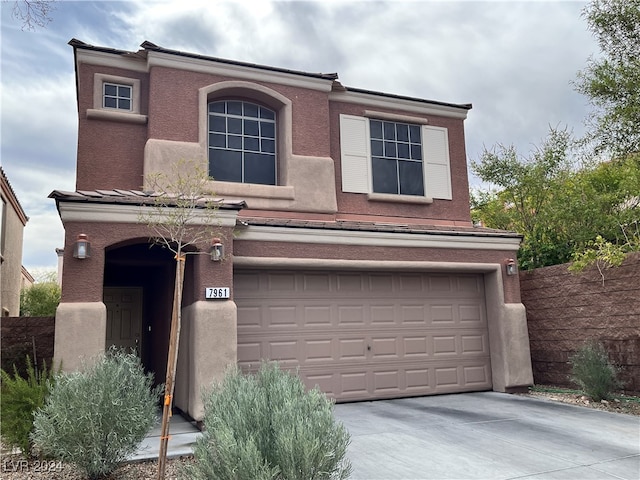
[
  {"x": 565, "y": 309},
  {"x": 19, "y": 335}
]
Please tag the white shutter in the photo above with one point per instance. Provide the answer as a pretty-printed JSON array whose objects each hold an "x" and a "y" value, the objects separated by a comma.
[
  {"x": 435, "y": 146},
  {"x": 354, "y": 151}
]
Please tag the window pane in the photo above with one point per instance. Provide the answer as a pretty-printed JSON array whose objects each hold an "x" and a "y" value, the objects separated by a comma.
[
  {"x": 390, "y": 149},
  {"x": 267, "y": 129},
  {"x": 375, "y": 128},
  {"x": 217, "y": 140},
  {"x": 217, "y": 107},
  {"x": 416, "y": 152},
  {"x": 234, "y": 108},
  {"x": 389, "y": 131},
  {"x": 234, "y": 125},
  {"x": 251, "y": 127},
  {"x": 252, "y": 144},
  {"x": 124, "y": 92},
  {"x": 268, "y": 146},
  {"x": 403, "y": 150},
  {"x": 385, "y": 176},
  {"x": 225, "y": 165},
  {"x": 111, "y": 90},
  {"x": 124, "y": 104},
  {"x": 259, "y": 168},
  {"x": 376, "y": 148},
  {"x": 266, "y": 113},
  {"x": 402, "y": 131},
  {"x": 411, "y": 180},
  {"x": 414, "y": 133},
  {"x": 235, "y": 142},
  {"x": 250, "y": 110},
  {"x": 110, "y": 102},
  {"x": 217, "y": 124}
]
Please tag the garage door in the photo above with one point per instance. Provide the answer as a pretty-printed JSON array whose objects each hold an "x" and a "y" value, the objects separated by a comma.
[{"x": 362, "y": 336}]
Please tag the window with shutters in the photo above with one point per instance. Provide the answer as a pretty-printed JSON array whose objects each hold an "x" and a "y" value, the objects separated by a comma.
[{"x": 394, "y": 159}]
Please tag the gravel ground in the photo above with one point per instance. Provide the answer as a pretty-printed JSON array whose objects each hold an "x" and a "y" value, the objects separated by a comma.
[{"x": 14, "y": 467}]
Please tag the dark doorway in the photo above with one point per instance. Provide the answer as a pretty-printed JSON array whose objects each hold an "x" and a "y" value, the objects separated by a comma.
[{"x": 149, "y": 270}]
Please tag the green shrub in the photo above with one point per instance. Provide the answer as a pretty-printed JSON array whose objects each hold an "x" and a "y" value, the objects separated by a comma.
[
  {"x": 21, "y": 397},
  {"x": 592, "y": 370},
  {"x": 265, "y": 426},
  {"x": 96, "y": 418}
]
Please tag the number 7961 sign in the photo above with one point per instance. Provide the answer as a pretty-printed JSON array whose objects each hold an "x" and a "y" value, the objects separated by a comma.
[{"x": 216, "y": 292}]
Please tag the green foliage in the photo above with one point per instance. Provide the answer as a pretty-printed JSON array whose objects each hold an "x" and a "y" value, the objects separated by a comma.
[
  {"x": 592, "y": 370},
  {"x": 558, "y": 208},
  {"x": 40, "y": 300},
  {"x": 265, "y": 426},
  {"x": 96, "y": 418},
  {"x": 611, "y": 79},
  {"x": 21, "y": 397}
]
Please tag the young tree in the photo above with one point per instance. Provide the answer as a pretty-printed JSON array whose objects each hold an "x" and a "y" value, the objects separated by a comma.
[
  {"x": 611, "y": 80},
  {"x": 182, "y": 219}
]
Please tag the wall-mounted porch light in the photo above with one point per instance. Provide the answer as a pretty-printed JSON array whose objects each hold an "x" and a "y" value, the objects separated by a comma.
[
  {"x": 510, "y": 264},
  {"x": 217, "y": 250},
  {"x": 82, "y": 247}
]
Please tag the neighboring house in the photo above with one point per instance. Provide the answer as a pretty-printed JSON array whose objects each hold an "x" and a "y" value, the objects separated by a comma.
[
  {"x": 26, "y": 279},
  {"x": 349, "y": 248},
  {"x": 12, "y": 226}
]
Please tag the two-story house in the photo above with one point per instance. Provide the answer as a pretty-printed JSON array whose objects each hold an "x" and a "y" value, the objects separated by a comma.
[{"x": 349, "y": 251}]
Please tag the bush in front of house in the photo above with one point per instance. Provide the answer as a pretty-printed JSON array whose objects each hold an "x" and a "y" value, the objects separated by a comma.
[
  {"x": 22, "y": 395},
  {"x": 95, "y": 418},
  {"x": 266, "y": 426},
  {"x": 593, "y": 372}
]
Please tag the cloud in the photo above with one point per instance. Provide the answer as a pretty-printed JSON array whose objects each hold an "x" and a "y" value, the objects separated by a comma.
[{"x": 513, "y": 60}]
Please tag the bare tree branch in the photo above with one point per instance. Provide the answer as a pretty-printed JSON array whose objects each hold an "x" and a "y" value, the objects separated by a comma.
[{"x": 33, "y": 13}]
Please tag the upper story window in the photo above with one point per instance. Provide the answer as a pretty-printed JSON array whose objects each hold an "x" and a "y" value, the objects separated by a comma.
[
  {"x": 116, "y": 96},
  {"x": 396, "y": 158},
  {"x": 242, "y": 142},
  {"x": 391, "y": 160}
]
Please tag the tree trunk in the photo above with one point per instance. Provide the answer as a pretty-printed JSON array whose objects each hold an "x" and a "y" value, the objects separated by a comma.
[{"x": 172, "y": 361}]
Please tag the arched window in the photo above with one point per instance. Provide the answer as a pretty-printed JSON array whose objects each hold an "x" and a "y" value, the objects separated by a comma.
[{"x": 242, "y": 142}]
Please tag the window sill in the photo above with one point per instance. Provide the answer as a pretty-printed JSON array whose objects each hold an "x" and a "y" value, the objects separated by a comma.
[
  {"x": 115, "y": 116},
  {"x": 389, "y": 197},
  {"x": 253, "y": 190}
]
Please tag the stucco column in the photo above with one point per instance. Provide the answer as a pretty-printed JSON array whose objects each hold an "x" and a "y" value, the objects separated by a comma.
[
  {"x": 508, "y": 338},
  {"x": 81, "y": 333},
  {"x": 209, "y": 330}
]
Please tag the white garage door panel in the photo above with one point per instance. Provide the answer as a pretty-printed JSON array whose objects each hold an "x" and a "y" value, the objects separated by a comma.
[{"x": 365, "y": 335}]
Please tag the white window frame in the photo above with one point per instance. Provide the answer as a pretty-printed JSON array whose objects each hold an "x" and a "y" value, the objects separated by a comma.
[
  {"x": 117, "y": 96},
  {"x": 100, "y": 112},
  {"x": 357, "y": 176}
]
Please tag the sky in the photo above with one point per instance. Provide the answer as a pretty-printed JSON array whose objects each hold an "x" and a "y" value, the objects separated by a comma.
[{"x": 514, "y": 61}]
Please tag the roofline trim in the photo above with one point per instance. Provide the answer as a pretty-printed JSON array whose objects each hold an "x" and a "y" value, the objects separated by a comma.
[{"x": 427, "y": 239}]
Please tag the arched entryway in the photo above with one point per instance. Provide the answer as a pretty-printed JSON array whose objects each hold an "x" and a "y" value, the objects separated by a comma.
[{"x": 138, "y": 294}]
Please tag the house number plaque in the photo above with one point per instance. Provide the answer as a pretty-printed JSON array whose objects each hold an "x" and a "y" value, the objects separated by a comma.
[{"x": 216, "y": 292}]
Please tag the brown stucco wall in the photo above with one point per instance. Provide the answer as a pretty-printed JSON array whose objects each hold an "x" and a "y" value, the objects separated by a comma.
[
  {"x": 19, "y": 337},
  {"x": 565, "y": 309},
  {"x": 456, "y": 209}
]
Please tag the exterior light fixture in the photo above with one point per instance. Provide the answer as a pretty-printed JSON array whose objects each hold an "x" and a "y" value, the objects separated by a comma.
[
  {"x": 512, "y": 269},
  {"x": 82, "y": 247},
  {"x": 217, "y": 250}
]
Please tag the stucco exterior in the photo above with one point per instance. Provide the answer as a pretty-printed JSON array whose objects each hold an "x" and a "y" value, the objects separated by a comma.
[
  {"x": 318, "y": 215},
  {"x": 13, "y": 221}
]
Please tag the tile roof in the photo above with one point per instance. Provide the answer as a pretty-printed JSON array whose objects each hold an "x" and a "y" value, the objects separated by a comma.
[{"x": 133, "y": 197}]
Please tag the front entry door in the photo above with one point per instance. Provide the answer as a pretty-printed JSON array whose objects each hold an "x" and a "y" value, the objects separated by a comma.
[{"x": 124, "y": 317}]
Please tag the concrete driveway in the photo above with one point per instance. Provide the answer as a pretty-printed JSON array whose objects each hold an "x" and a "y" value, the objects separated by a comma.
[{"x": 488, "y": 435}]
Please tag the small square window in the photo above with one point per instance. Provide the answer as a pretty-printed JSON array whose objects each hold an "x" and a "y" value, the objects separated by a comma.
[{"x": 116, "y": 96}]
